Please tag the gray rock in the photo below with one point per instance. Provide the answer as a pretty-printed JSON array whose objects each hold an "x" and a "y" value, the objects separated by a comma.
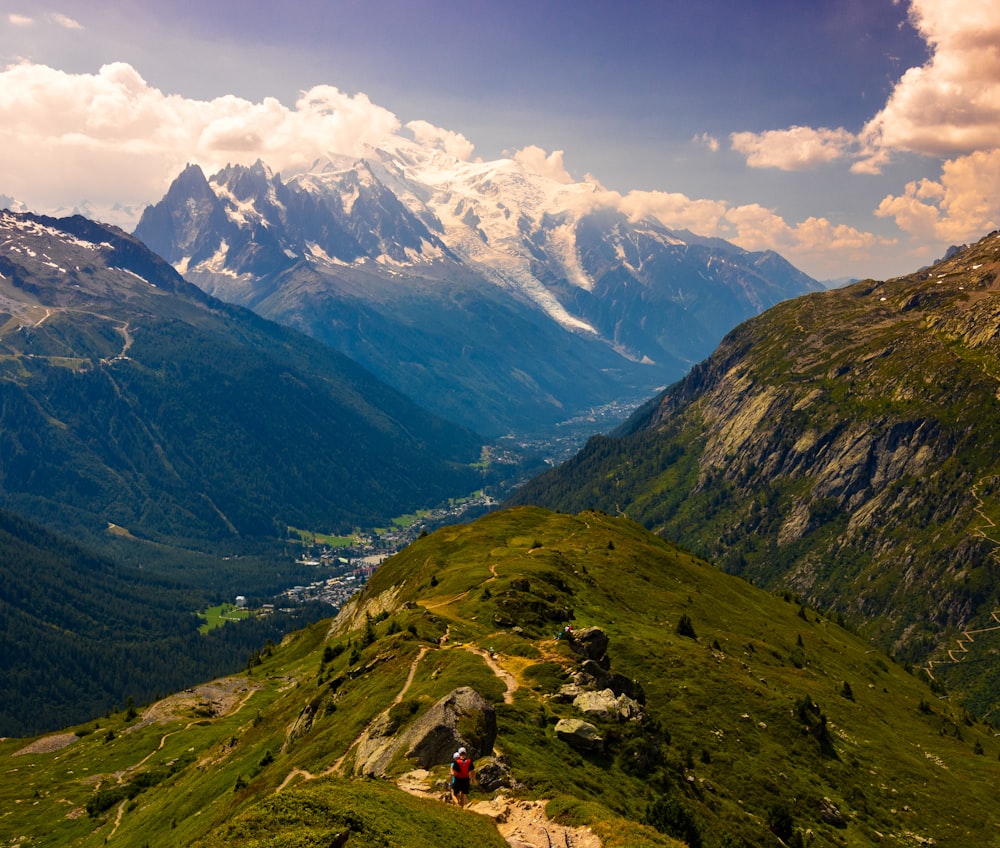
[
  {"x": 493, "y": 773},
  {"x": 829, "y": 813},
  {"x": 592, "y": 643},
  {"x": 436, "y": 735},
  {"x": 579, "y": 734},
  {"x": 606, "y": 705},
  {"x": 597, "y": 705},
  {"x": 569, "y": 692},
  {"x": 463, "y": 717}
]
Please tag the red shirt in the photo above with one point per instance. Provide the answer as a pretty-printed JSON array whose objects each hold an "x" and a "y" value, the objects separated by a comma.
[{"x": 462, "y": 767}]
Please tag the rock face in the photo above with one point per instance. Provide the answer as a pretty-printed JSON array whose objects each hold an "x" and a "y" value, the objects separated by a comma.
[
  {"x": 853, "y": 436},
  {"x": 579, "y": 734},
  {"x": 463, "y": 717}
]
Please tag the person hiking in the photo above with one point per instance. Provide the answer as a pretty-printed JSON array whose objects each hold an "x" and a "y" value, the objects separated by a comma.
[{"x": 462, "y": 772}]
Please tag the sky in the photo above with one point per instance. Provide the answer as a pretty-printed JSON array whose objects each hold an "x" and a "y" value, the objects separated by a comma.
[{"x": 858, "y": 138}]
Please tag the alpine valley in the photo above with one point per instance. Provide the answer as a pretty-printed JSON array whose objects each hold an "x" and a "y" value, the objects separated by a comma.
[
  {"x": 497, "y": 298},
  {"x": 156, "y": 445}
]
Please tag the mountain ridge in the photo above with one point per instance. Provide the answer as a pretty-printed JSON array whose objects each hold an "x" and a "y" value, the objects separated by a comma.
[
  {"x": 762, "y": 722},
  {"x": 840, "y": 446},
  {"x": 131, "y": 397},
  {"x": 546, "y": 302}
]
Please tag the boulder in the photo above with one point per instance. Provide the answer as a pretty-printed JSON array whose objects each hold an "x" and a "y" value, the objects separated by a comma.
[
  {"x": 829, "y": 813},
  {"x": 606, "y": 705},
  {"x": 597, "y": 705},
  {"x": 568, "y": 692},
  {"x": 493, "y": 773},
  {"x": 463, "y": 717},
  {"x": 592, "y": 643},
  {"x": 579, "y": 734}
]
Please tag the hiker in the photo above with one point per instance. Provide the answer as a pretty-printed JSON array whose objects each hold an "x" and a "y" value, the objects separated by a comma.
[{"x": 462, "y": 772}]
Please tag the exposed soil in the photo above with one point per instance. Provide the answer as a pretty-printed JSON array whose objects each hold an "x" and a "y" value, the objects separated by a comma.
[
  {"x": 523, "y": 824},
  {"x": 47, "y": 744}
]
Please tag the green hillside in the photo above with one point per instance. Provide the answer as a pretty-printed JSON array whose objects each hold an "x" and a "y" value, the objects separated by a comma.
[
  {"x": 760, "y": 717},
  {"x": 129, "y": 397},
  {"x": 844, "y": 446},
  {"x": 82, "y": 633}
]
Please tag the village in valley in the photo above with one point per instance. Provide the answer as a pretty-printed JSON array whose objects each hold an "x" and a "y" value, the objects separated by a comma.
[{"x": 345, "y": 568}]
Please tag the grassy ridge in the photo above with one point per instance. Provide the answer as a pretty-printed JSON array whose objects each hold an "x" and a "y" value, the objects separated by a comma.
[{"x": 769, "y": 716}]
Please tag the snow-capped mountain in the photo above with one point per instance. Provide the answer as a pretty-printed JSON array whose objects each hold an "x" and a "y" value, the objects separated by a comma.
[{"x": 495, "y": 296}]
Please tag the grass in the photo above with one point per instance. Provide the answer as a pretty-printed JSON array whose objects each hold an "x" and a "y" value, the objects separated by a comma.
[
  {"x": 219, "y": 615},
  {"x": 312, "y": 537},
  {"x": 748, "y": 715}
]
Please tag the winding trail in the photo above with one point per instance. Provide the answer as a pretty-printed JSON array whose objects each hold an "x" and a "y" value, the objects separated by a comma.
[
  {"x": 522, "y": 824},
  {"x": 338, "y": 766}
]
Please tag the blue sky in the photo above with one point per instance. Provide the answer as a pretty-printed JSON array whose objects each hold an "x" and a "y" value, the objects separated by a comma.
[{"x": 856, "y": 137}]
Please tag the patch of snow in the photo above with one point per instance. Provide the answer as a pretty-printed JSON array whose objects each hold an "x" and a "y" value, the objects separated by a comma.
[
  {"x": 317, "y": 252},
  {"x": 134, "y": 274}
]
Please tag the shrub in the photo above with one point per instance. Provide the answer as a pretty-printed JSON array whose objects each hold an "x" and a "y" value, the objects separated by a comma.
[
  {"x": 685, "y": 627},
  {"x": 668, "y": 815}
]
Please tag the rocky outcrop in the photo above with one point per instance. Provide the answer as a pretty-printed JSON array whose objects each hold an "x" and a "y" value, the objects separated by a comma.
[
  {"x": 592, "y": 643},
  {"x": 461, "y": 718}
]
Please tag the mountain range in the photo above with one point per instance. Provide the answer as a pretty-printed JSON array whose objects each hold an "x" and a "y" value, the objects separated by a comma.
[
  {"x": 842, "y": 446},
  {"x": 131, "y": 400},
  {"x": 497, "y": 298}
]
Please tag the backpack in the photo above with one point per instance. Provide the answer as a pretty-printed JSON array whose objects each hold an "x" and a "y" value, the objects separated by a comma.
[{"x": 462, "y": 767}]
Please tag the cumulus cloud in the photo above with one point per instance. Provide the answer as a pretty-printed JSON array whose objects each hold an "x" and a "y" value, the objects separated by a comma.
[
  {"x": 112, "y": 133},
  {"x": 19, "y": 20},
  {"x": 794, "y": 149},
  {"x": 538, "y": 161},
  {"x": 453, "y": 143},
  {"x": 963, "y": 205},
  {"x": 951, "y": 105}
]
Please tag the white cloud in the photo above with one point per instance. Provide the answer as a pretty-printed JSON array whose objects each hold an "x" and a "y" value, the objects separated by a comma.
[
  {"x": 963, "y": 205},
  {"x": 453, "y": 143},
  {"x": 794, "y": 149},
  {"x": 112, "y": 136},
  {"x": 550, "y": 165},
  {"x": 951, "y": 105},
  {"x": 817, "y": 245},
  {"x": 674, "y": 210},
  {"x": 19, "y": 20},
  {"x": 65, "y": 21},
  {"x": 707, "y": 140}
]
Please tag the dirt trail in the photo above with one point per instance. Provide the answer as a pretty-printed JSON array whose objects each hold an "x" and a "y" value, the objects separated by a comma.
[
  {"x": 523, "y": 824},
  {"x": 338, "y": 766}
]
